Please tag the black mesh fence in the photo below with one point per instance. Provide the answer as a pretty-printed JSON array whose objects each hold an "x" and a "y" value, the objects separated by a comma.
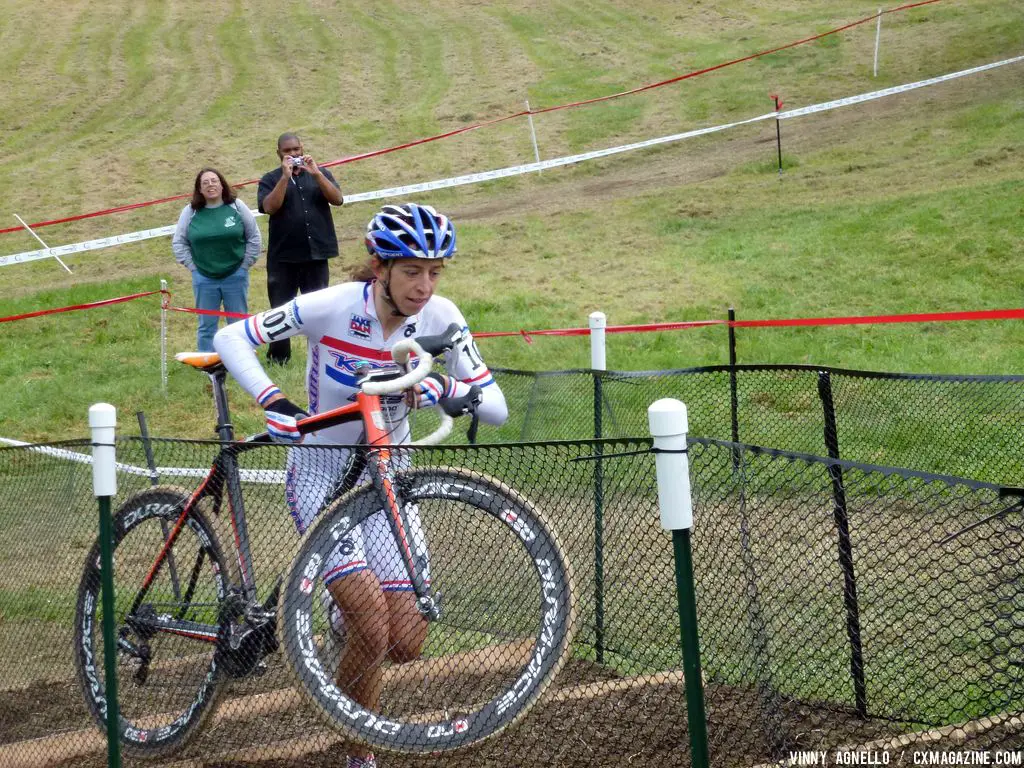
[
  {"x": 969, "y": 426},
  {"x": 841, "y": 606}
]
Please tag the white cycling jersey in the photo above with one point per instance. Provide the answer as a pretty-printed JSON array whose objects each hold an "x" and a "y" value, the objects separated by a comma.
[{"x": 345, "y": 335}]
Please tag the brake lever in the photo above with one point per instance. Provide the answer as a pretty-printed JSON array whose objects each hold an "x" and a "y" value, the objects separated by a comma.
[{"x": 459, "y": 406}]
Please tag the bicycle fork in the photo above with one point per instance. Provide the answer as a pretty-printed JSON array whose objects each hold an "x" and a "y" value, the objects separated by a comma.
[{"x": 383, "y": 477}]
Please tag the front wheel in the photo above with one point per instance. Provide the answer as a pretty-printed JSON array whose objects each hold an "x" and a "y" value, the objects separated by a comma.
[
  {"x": 167, "y": 632},
  {"x": 505, "y": 594}
]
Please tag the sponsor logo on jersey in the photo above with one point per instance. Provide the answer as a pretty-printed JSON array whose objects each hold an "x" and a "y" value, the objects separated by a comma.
[
  {"x": 359, "y": 326},
  {"x": 344, "y": 359},
  {"x": 344, "y": 368},
  {"x": 313, "y": 385}
]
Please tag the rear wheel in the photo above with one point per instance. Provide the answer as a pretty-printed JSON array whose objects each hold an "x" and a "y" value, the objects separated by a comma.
[
  {"x": 506, "y": 615},
  {"x": 167, "y": 671}
]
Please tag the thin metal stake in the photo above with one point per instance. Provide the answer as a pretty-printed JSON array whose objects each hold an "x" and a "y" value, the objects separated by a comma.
[
  {"x": 878, "y": 36},
  {"x": 778, "y": 128},
  {"x": 163, "y": 336},
  {"x": 533, "y": 134}
]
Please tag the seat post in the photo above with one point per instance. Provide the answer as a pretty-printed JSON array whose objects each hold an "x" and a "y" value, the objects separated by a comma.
[{"x": 225, "y": 430}]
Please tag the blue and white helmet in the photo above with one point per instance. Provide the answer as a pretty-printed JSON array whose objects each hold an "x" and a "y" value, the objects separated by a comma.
[{"x": 410, "y": 231}]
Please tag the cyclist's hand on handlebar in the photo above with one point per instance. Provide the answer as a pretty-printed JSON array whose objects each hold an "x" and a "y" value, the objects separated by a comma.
[
  {"x": 282, "y": 416},
  {"x": 430, "y": 391},
  {"x": 437, "y": 388}
]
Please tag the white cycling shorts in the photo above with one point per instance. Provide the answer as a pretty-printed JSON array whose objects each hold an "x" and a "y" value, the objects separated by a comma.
[{"x": 312, "y": 474}]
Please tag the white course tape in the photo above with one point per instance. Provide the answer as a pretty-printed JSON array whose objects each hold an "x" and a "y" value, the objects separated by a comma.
[
  {"x": 516, "y": 170},
  {"x": 891, "y": 91},
  {"x": 88, "y": 245},
  {"x": 262, "y": 476},
  {"x": 91, "y": 245}
]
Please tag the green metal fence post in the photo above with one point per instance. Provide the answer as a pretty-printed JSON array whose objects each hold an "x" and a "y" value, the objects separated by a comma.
[
  {"x": 598, "y": 322},
  {"x": 102, "y": 421},
  {"x": 840, "y": 514},
  {"x": 734, "y": 400},
  {"x": 668, "y": 423}
]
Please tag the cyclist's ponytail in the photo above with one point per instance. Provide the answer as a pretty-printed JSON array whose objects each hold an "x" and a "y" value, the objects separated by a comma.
[{"x": 362, "y": 273}]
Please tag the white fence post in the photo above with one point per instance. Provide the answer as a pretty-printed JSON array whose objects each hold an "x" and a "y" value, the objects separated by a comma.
[
  {"x": 598, "y": 322},
  {"x": 668, "y": 423},
  {"x": 102, "y": 421},
  {"x": 667, "y": 419},
  {"x": 597, "y": 363}
]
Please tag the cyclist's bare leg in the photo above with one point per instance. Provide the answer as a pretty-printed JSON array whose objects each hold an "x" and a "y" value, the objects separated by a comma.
[
  {"x": 360, "y": 675},
  {"x": 408, "y": 627}
]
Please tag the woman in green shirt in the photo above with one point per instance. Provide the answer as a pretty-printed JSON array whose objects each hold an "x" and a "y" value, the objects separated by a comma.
[{"x": 217, "y": 240}]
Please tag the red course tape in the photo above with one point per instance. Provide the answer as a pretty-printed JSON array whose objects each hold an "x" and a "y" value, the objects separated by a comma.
[
  {"x": 90, "y": 305},
  {"x": 918, "y": 317},
  {"x": 457, "y": 131}
]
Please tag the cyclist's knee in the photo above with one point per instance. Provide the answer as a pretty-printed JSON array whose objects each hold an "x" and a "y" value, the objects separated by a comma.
[
  {"x": 370, "y": 643},
  {"x": 365, "y": 611},
  {"x": 408, "y": 628}
]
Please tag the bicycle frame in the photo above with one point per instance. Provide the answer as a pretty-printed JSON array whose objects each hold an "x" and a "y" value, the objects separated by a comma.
[{"x": 225, "y": 471}]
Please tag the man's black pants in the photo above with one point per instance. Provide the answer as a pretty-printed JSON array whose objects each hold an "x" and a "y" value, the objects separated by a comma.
[{"x": 285, "y": 281}]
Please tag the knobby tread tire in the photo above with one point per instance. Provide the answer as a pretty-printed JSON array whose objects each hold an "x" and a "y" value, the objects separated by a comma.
[
  {"x": 556, "y": 620},
  {"x": 159, "y": 502}
]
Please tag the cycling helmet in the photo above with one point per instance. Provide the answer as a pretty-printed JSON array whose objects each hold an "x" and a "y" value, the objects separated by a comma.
[{"x": 410, "y": 231}]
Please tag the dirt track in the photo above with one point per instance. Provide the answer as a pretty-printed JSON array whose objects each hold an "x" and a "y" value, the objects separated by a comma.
[{"x": 606, "y": 721}]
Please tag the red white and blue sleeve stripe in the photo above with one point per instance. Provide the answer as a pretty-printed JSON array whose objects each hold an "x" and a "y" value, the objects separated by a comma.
[
  {"x": 266, "y": 394},
  {"x": 252, "y": 332},
  {"x": 482, "y": 379},
  {"x": 431, "y": 390}
]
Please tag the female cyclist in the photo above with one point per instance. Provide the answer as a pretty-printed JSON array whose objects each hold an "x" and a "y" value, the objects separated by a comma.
[{"x": 349, "y": 327}]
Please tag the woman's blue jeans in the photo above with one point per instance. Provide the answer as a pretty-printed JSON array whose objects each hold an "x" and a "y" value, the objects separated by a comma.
[{"x": 232, "y": 292}]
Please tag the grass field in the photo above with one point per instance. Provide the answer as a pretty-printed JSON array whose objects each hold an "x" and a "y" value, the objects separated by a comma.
[{"x": 908, "y": 204}]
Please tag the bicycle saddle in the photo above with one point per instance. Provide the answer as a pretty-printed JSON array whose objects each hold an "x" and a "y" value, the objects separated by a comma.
[{"x": 204, "y": 361}]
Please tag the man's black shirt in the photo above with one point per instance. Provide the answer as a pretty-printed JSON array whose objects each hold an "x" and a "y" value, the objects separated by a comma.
[{"x": 302, "y": 229}]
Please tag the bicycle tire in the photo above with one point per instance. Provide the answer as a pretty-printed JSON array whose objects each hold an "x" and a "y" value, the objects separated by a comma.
[
  {"x": 162, "y": 713},
  {"x": 526, "y": 574}
]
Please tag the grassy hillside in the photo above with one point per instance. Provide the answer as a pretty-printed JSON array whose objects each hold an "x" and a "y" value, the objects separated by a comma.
[{"x": 912, "y": 203}]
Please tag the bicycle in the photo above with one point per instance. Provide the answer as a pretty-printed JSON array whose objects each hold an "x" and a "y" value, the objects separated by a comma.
[{"x": 497, "y": 635}]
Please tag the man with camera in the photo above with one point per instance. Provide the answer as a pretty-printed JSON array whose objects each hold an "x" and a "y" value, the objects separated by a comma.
[{"x": 297, "y": 197}]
